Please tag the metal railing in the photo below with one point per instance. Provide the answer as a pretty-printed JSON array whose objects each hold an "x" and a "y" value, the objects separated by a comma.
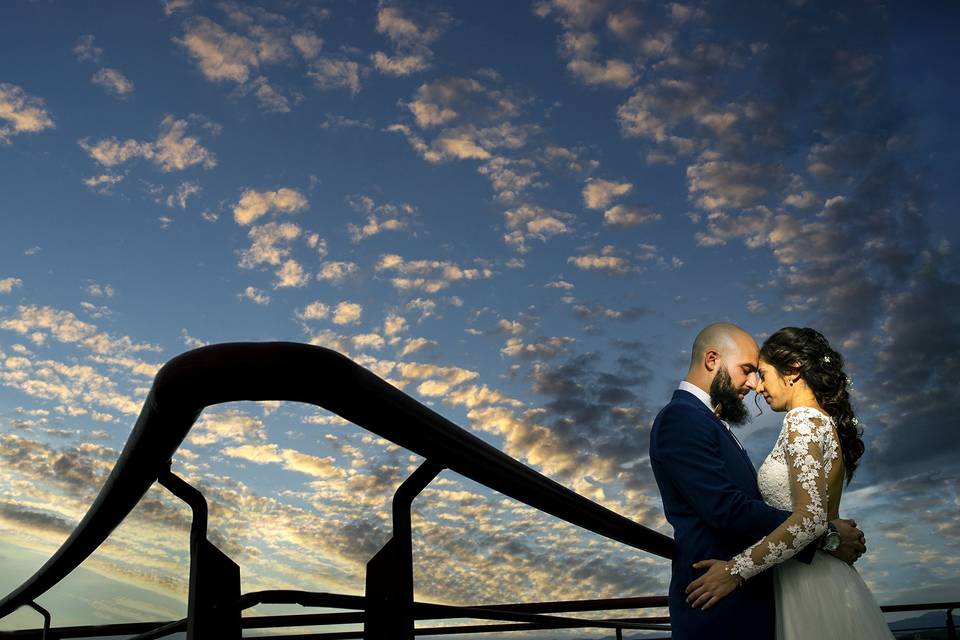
[
  {"x": 288, "y": 371},
  {"x": 297, "y": 372},
  {"x": 424, "y": 611},
  {"x": 524, "y": 617}
]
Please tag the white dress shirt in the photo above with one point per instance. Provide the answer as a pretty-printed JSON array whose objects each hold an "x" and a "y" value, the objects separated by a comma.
[{"x": 704, "y": 397}]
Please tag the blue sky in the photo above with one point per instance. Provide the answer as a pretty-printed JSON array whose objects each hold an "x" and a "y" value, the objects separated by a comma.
[{"x": 520, "y": 213}]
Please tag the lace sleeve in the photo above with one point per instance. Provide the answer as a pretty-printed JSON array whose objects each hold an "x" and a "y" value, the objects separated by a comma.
[{"x": 808, "y": 434}]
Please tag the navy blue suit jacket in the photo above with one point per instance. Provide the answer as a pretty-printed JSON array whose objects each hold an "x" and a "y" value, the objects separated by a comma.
[{"x": 709, "y": 490}]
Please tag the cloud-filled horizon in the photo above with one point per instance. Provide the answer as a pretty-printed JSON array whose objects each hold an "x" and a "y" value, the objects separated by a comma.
[{"x": 518, "y": 213}]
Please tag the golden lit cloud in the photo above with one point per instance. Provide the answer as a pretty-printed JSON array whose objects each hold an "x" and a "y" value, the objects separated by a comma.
[
  {"x": 173, "y": 150},
  {"x": 22, "y": 113},
  {"x": 256, "y": 204}
]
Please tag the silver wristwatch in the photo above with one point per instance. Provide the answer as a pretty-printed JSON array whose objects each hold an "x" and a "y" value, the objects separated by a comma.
[{"x": 831, "y": 539}]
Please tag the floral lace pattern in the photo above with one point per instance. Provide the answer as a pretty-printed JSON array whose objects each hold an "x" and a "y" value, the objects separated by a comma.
[{"x": 794, "y": 477}]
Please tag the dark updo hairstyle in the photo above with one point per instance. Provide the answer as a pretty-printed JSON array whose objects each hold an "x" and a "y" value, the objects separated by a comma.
[{"x": 805, "y": 351}]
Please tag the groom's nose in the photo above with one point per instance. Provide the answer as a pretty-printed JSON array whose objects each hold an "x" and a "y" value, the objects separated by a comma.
[{"x": 752, "y": 380}]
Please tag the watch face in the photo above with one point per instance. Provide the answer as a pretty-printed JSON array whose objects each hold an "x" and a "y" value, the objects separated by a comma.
[{"x": 832, "y": 543}]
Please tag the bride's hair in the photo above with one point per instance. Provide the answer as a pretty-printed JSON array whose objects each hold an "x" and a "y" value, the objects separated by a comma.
[{"x": 807, "y": 352}]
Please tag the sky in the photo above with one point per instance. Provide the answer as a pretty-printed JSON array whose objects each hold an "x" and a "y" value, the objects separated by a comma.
[{"x": 520, "y": 213}]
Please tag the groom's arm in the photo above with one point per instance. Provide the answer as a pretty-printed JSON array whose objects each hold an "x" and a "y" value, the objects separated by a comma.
[
  {"x": 687, "y": 450},
  {"x": 852, "y": 541}
]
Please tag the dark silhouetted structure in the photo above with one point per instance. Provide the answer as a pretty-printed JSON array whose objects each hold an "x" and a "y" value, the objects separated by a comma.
[{"x": 288, "y": 371}]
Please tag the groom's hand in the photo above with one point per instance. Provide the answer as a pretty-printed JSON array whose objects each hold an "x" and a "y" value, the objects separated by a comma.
[{"x": 852, "y": 542}]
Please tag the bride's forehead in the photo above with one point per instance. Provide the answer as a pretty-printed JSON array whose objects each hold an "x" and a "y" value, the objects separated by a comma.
[{"x": 765, "y": 366}]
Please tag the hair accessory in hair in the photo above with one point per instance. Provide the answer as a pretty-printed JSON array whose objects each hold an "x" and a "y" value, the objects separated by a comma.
[
  {"x": 855, "y": 421},
  {"x": 826, "y": 358}
]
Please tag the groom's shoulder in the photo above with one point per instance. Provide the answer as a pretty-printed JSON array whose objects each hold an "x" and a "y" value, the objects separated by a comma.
[
  {"x": 681, "y": 404},
  {"x": 684, "y": 409}
]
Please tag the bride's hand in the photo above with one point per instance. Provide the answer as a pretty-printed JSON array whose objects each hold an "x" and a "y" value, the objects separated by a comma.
[{"x": 713, "y": 586}]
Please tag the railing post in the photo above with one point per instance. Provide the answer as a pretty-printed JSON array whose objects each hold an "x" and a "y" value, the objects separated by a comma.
[
  {"x": 212, "y": 610},
  {"x": 46, "y": 619},
  {"x": 951, "y": 626},
  {"x": 389, "y": 589}
]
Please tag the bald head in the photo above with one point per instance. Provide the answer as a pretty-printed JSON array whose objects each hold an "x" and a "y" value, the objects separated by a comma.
[
  {"x": 722, "y": 344},
  {"x": 720, "y": 336}
]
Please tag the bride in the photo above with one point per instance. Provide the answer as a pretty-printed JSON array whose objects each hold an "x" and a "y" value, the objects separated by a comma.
[{"x": 818, "y": 448}]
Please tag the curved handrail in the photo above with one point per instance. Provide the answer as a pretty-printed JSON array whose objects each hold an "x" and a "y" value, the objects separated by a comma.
[{"x": 299, "y": 372}]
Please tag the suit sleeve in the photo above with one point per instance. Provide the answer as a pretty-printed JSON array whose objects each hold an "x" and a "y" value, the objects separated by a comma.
[{"x": 687, "y": 451}]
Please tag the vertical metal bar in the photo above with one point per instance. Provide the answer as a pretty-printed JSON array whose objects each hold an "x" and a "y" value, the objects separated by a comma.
[
  {"x": 951, "y": 626},
  {"x": 212, "y": 610},
  {"x": 46, "y": 618},
  {"x": 619, "y": 633},
  {"x": 389, "y": 589}
]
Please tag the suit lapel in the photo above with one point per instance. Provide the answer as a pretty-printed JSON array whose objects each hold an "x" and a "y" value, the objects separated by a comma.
[
  {"x": 691, "y": 399},
  {"x": 736, "y": 443}
]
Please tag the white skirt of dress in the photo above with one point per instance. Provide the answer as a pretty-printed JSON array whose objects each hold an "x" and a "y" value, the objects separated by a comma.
[{"x": 825, "y": 599}]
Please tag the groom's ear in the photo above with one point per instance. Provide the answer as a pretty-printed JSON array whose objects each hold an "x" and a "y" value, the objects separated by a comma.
[{"x": 711, "y": 359}]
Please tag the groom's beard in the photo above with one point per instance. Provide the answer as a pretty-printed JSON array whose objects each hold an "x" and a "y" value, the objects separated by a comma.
[{"x": 723, "y": 393}]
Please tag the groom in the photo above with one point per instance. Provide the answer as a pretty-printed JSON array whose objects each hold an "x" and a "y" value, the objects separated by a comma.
[{"x": 709, "y": 488}]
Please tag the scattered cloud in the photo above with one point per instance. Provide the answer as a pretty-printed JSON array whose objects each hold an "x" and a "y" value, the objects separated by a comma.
[
  {"x": 104, "y": 182},
  {"x": 269, "y": 97},
  {"x": 7, "y": 285},
  {"x": 314, "y": 311},
  {"x": 256, "y": 204},
  {"x": 591, "y": 311},
  {"x": 173, "y": 150},
  {"x": 41, "y": 322},
  {"x": 394, "y": 324},
  {"x": 337, "y": 272},
  {"x": 335, "y": 121},
  {"x": 581, "y": 46},
  {"x": 716, "y": 183},
  {"x": 532, "y": 222},
  {"x": 291, "y": 274},
  {"x": 172, "y": 6},
  {"x": 270, "y": 244},
  {"x": 98, "y": 290},
  {"x": 21, "y": 112},
  {"x": 86, "y": 50},
  {"x": 113, "y": 82},
  {"x": 598, "y": 194},
  {"x": 616, "y": 73},
  {"x": 629, "y": 216},
  {"x": 413, "y": 345},
  {"x": 410, "y": 38},
  {"x": 347, "y": 313},
  {"x": 430, "y": 276},
  {"x": 256, "y": 296},
  {"x": 380, "y": 218},
  {"x": 184, "y": 191},
  {"x": 335, "y": 73},
  {"x": 307, "y": 43},
  {"x": 190, "y": 341},
  {"x": 223, "y": 55},
  {"x": 435, "y": 380},
  {"x": 606, "y": 261},
  {"x": 540, "y": 348}
]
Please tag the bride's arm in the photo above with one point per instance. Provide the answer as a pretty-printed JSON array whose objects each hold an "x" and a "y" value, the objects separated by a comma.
[{"x": 808, "y": 490}]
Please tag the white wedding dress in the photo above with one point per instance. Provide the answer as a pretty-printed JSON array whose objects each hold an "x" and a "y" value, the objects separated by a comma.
[{"x": 826, "y": 599}]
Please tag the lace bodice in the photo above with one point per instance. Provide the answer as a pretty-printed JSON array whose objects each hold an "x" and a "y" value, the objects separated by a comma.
[{"x": 794, "y": 478}]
